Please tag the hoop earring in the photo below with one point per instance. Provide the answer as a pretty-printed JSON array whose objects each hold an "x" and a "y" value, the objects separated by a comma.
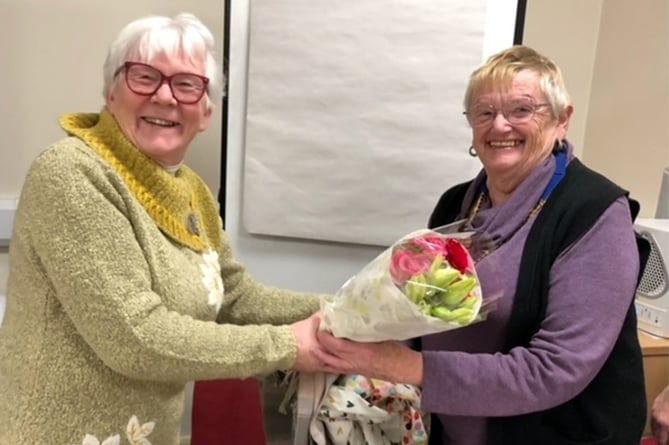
[
  {"x": 472, "y": 151},
  {"x": 559, "y": 146}
]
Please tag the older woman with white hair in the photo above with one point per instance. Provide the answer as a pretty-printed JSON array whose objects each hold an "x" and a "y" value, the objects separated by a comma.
[{"x": 122, "y": 284}]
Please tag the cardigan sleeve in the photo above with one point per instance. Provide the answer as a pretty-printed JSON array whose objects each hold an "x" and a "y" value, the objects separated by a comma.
[
  {"x": 592, "y": 285},
  {"x": 74, "y": 228},
  {"x": 247, "y": 301}
]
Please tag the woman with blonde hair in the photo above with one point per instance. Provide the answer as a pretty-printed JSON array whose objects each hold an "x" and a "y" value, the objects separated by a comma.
[{"x": 558, "y": 361}]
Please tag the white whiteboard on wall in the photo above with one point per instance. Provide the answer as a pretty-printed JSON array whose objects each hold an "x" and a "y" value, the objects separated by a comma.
[{"x": 354, "y": 112}]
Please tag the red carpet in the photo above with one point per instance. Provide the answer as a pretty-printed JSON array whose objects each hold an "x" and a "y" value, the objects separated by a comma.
[{"x": 227, "y": 412}]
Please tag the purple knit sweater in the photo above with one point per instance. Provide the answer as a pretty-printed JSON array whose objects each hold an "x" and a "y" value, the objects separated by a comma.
[{"x": 591, "y": 286}]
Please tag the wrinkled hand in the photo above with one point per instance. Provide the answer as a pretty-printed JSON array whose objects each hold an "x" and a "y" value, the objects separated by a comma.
[
  {"x": 389, "y": 360},
  {"x": 659, "y": 421},
  {"x": 311, "y": 356}
]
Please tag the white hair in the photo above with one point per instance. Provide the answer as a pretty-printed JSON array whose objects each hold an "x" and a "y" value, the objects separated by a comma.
[{"x": 181, "y": 35}]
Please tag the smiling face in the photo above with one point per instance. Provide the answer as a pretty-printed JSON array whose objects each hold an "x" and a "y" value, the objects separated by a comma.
[
  {"x": 158, "y": 125},
  {"x": 509, "y": 152}
]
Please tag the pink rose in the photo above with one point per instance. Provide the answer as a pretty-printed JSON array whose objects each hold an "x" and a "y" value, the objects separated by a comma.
[
  {"x": 405, "y": 264},
  {"x": 430, "y": 244}
]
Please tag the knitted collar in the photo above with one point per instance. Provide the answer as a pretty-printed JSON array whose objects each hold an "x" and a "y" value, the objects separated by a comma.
[{"x": 177, "y": 203}]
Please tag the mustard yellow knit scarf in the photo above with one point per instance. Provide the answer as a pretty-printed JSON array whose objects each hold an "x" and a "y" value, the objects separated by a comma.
[{"x": 180, "y": 204}]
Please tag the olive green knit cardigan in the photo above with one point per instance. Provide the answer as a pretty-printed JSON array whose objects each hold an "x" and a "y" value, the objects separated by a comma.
[{"x": 119, "y": 271}]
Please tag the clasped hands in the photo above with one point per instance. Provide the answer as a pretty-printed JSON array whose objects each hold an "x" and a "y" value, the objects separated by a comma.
[{"x": 319, "y": 351}]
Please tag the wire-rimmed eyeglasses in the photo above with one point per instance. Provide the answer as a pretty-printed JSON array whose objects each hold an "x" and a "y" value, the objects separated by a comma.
[
  {"x": 145, "y": 80},
  {"x": 515, "y": 112}
]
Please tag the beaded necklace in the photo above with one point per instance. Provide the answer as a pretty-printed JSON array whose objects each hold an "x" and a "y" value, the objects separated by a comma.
[{"x": 560, "y": 170}]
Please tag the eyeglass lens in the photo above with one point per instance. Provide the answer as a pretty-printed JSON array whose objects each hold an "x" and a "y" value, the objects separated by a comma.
[
  {"x": 516, "y": 112},
  {"x": 146, "y": 80}
]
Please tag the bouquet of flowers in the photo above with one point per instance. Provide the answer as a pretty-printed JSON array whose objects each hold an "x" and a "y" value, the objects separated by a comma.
[{"x": 423, "y": 284}]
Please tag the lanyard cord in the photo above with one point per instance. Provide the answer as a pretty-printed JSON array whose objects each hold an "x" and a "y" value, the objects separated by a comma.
[{"x": 558, "y": 175}]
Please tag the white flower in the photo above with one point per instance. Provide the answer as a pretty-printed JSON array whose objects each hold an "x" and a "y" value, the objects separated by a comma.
[
  {"x": 92, "y": 440},
  {"x": 137, "y": 433},
  {"x": 112, "y": 440},
  {"x": 211, "y": 278}
]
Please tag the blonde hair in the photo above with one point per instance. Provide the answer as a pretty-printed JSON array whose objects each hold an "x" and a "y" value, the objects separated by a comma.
[
  {"x": 183, "y": 35},
  {"x": 499, "y": 70}
]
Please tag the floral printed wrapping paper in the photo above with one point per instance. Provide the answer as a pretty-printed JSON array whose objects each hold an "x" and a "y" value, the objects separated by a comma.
[{"x": 361, "y": 410}]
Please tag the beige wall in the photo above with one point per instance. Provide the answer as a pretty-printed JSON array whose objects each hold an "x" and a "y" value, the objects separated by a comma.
[
  {"x": 614, "y": 55},
  {"x": 567, "y": 31},
  {"x": 628, "y": 123},
  {"x": 52, "y": 53}
]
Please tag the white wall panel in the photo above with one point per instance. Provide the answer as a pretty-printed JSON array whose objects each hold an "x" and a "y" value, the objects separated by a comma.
[{"x": 354, "y": 120}]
